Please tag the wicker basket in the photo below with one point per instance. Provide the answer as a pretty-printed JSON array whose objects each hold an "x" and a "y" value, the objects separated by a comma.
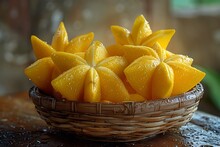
[{"x": 121, "y": 122}]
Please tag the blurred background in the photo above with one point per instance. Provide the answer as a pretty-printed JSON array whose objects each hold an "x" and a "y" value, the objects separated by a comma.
[{"x": 197, "y": 24}]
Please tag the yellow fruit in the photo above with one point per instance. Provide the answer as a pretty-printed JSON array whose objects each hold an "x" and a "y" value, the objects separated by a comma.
[
  {"x": 180, "y": 59},
  {"x": 168, "y": 53},
  {"x": 141, "y": 35},
  {"x": 162, "y": 76},
  {"x": 41, "y": 49},
  {"x": 185, "y": 77},
  {"x": 132, "y": 52},
  {"x": 95, "y": 53},
  {"x": 122, "y": 35},
  {"x": 115, "y": 50},
  {"x": 136, "y": 68},
  {"x": 117, "y": 64},
  {"x": 141, "y": 30},
  {"x": 162, "y": 81},
  {"x": 160, "y": 51},
  {"x": 163, "y": 37},
  {"x": 81, "y": 54},
  {"x": 80, "y": 43},
  {"x": 92, "y": 78},
  {"x": 128, "y": 86},
  {"x": 139, "y": 74},
  {"x": 92, "y": 88},
  {"x": 70, "y": 84},
  {"x": 60, "y": 38},
  {"x": 40, "y": 73},
  {"x": 55, "y": 73},
  {"x": 65, "y": 61},
  {"x": 112, "y": 88}
]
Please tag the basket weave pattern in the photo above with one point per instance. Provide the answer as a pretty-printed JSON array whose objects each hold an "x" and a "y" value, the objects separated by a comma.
[{"x": 127, "y": 121}]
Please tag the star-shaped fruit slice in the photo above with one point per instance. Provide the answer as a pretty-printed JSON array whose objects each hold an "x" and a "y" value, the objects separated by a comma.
[
  {"x": 40, "y": 73},
  {"x": 42, "y": 49},
  {"x": 141, "y": 35},
  {"x": 45, "y": 68},
  {"x": 93, "y": 79},
  {"x": 60, "y": 38},
  {"x": 80, "y": 43},
  {"x": 161, "y": 76}
]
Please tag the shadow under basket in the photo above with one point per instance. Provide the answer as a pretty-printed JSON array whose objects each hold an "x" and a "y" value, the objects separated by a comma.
[{"x": 117, "y": 122}]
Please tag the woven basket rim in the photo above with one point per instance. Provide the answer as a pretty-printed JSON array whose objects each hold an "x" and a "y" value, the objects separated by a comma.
[{"x": 124, "y": 108}]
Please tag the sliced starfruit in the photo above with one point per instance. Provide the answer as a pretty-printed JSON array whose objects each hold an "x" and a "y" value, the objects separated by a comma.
[
  {"x": 41, "y": 49},
  {"x": 162, "y": 76},
  {"x": 60, "y": 38},
  {"x": 112, "y": 88},
  {"x": 70, "y": 84},
  {"x": 163, "y": 37},
  {"x": 40, "y": 73},
  {"x": 122, "y": 35},
  {"x": 139, "y": 74},
  {"x": 92, "y": 86},
  {"x": 92, "y": 78},
  {"x": 141, "y": 30},
  {"x": 80, "y": 43},
  {"x": 65, "y": 61},
  {"x": 185, "y": 77}
]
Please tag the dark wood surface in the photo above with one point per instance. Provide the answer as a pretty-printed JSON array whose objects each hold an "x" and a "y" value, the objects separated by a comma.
[{"x": 20, "y": 125}]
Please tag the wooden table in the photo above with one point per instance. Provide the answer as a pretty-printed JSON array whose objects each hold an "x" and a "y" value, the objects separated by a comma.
[{"x": 20, "y": 125}]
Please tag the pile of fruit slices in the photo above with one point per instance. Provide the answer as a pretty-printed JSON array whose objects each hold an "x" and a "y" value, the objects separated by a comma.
[{"x": 136, "y": 68}]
